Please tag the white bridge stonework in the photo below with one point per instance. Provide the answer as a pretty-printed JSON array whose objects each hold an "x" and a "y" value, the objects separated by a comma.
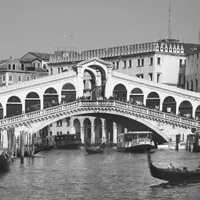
[{"x": 164, "y": 125}]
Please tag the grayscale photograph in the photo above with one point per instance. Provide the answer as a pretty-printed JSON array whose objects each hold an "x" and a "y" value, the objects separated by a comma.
[{"x": 99, "y": 99}]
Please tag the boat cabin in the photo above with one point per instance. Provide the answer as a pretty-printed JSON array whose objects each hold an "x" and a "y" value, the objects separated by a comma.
[{"x": 135, "y": 136}]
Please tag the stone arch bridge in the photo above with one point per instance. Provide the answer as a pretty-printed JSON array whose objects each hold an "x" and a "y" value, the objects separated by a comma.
[
  {"x": 135, "y": 103},
  {"x": 129, "y": 115}
]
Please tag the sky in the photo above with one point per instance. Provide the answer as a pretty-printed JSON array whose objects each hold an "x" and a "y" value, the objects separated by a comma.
[{"x": 42, "y": 25}]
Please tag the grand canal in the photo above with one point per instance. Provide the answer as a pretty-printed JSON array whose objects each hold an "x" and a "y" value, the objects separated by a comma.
[{"x": 72, "y": 174}]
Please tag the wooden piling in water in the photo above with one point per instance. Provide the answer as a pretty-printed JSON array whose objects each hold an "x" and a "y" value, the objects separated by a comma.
[
  {"x": 22, "y": 134},
  {"x": 33, "y": 146}
]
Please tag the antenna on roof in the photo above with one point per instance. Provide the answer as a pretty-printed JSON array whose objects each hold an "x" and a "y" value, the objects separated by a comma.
[
  {"x": 199, "y": 36},
  {"x": 169, "y": 29}
]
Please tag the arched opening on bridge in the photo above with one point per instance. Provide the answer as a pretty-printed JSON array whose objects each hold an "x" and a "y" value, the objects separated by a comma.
[
  {"x": 1, "y": 111},
  {"x": 137, "y": 96},
  {"x": 98, "y": 75},
  {"x": 68, "y": 93},
  {"x": 197, "y": 113},
  {"x": 13, "y": 106},
  {"x": 169, "y": 105},
  {"x": 77, "y": 126},
  {"x": 89, "y": 83},
  {"x": 109, "y": 127},
  {"x": 98, "y": 130},
  {"x": 50, "y": 97},
  {"x": 32, "y": 102},
  {"x": 87, "y": 131},
  {"x": 153, "y": 101},
  {"x": 120, "y": 92},
  {"x": 185, "y": 109}
]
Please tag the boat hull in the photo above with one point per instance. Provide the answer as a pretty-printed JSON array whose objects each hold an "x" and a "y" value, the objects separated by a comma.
[
  {"x": 93, "y": 150},
  {"x": 173, "y": 175},
  {"x": 68, "y": 146},
  {"x": 137, "y": 148},
  {"x": 5, "y": 161}
]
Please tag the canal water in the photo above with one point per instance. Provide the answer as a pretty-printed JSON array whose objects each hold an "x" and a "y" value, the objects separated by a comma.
[{"x": 74, "y": 175}]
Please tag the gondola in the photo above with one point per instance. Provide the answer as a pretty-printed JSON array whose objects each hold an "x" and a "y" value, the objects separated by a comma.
[
  {"x": 174, "y": 174},
  {"x": 96, "y": 150},
  {"x": 5, "y": 160}
]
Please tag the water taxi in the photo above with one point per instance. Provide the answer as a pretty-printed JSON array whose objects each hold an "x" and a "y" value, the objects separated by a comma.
[
  {"x": 67, "y": 141},
  {"x": 135, "y": 141}
]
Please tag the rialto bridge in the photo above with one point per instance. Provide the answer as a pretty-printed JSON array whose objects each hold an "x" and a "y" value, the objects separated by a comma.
[{"x": 91, "y": 89}]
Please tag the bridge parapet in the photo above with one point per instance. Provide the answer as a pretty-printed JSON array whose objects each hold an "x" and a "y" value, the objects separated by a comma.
[{"x": 109, "y": 106}]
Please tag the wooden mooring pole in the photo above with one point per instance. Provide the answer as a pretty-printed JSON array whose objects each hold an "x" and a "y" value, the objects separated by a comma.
[
  {"x": 22, "y": 134},
  {"x": 33, "y": 146}
]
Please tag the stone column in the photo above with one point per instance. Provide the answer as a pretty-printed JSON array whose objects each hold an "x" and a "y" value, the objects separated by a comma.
[
  {"x": 114, "y": 133},
  {"x": 103, "y": 128},
  {"x": 82, "y": 135},
  {"x": 92, "y": 134},
  {"x": 80, "y": 85}
]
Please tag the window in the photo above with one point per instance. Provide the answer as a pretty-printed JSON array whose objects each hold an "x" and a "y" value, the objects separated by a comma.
[
  {"x": 151, "y": 61},
  {"x": 130, "y": 63},
  {"x": 57, "y": 133},
  {"x": 10, "y": 78},
  {"x": 3, "y": 78},
  {"x": 50, "y": 133},
  {"x": 38, "y": 65},
  {"x": 22, "y": 66},
  {"x": 158, "y": 60},
  {"x": 34, "y": 77},
  {"x": 142, "y": 60},
  {"x": 68, "y": 121},
  {"x": 187, "y": 85},
  {"x": 179, "y": 80},
  {"x": 117, "y": 65},
  {"x": 138, "y": 62},
  {"x": 19, "y": 78},
  {"x": 140, "y": 75},
  {"x": 151, "y": 76},
  {"x": 13, "y": 66},
  {"x": 59, "y": 123},
  {"x": 158, "y": 77},
  {"x": 191, "y": 85},
  {"x": 9, "y": 66},
  {"x": 58, "y": 70},
  {"x": 51, "y": 71},
  {"x": 180, "y": 62},
  {"x": 124, "y": 64},
  {"x": 196, "y": 83},
  {"x": 28, "y": 78}
]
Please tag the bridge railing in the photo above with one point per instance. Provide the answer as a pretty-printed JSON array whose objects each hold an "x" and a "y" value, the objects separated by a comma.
[{"x": 102, "y": 103}]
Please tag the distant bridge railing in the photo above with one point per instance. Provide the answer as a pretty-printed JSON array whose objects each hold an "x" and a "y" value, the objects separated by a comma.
[{"x": 74, "y": 106}]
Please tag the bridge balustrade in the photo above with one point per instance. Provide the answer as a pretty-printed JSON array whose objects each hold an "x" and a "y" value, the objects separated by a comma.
[{"x": 101, "y": 103}]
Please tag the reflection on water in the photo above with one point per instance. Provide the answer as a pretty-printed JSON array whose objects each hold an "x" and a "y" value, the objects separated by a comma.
[{"x": 73, "y": 174}]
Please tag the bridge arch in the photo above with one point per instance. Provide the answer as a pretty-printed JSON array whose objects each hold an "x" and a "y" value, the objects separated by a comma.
[
  {"x": 68, "y": 93},
  {"x": 87, "y": 130},
  {"x": 50, "y": 97},
  {"x": 169, "y": 105},
  {"x": 185, "y": 109},
  {"x": 13, "y": 106},
  {"x": 153, "y": 100},
  {"x": 120, "y": 92},
  {"x": 136, "y": 96},
  {"x": 1, "y": 111},
  {"x": 197, "y": 113},
  {"x": 98, "y": 129},
  {"x": 32, "y": 102}
]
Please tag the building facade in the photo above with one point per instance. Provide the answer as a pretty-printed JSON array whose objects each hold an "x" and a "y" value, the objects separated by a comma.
[{"x": 192, "y": 70}]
